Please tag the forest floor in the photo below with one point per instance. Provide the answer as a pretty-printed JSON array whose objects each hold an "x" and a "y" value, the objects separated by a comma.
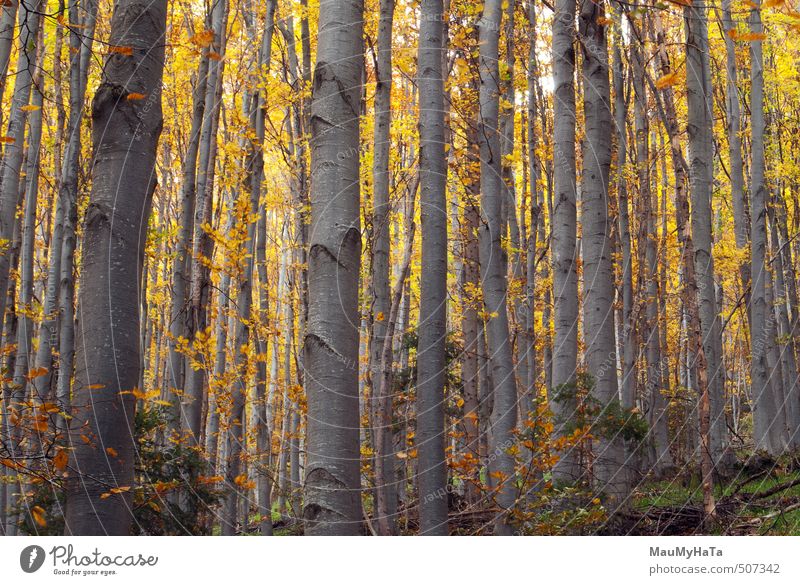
[
  {"x": 764, "y": 502},
  {"x": 760, "y": 499}
]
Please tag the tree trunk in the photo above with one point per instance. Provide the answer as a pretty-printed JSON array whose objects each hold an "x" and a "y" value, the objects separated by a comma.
[
  {"x": 333, "y": 483},
  {"x": 123, "y": 181},
  {"x": 764, "y": 413},
  {"x": 699, "y": 267},
  {"x": 203, "y": 244},
  {"x": 564, "y": 233},
  {"x": 503, "y": 417},
  {"x": 29, "y": 19},
  {"x": 598, "y": 275},
  {"x": 432, "y": 328},
  {"x": 385, "y": 489}
]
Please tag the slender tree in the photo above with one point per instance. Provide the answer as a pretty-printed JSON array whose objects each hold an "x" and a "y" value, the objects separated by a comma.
[
  {"x": 598, "y": 274},
  {"x": 564, "y": 230}
]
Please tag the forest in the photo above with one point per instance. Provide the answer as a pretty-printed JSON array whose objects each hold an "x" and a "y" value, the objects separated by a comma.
[{"x": 399, "y": 267}]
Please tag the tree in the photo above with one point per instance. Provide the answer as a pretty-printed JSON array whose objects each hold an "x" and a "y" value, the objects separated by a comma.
[
  {"x": 332, "y": 486},
  {"x": 99, "y": 491},
  {"x": 703, "y": 313},
  {"x": 564, "y": 229},
  {"x": 433, "y": 285},
  {"x": 503, "y": 417},
  {"x": 598, "y": 274},
  {"x": 386, "y": 490},
  {"x": 766, "y": 431}
]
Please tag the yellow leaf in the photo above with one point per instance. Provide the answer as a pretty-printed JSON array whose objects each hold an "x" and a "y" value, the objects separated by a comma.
[
  {"x": 120, "y": 490},
  {"x": 30, "y": 108}
]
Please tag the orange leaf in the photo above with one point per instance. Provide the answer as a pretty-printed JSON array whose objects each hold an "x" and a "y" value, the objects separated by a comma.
[
  {"x": 37, "y": 373},
  {"x": 667, "y": 80},
  {"x": 10, "y": 463},
  {"x": 136, "y": 96},
  {"x": 203, "y": 38},
  {"x": 127, "y": 51},
  {"x": 752, "y": 37},
  {"x": 61, "y": 459},
  {"x": 38, "y": 515},
  {"x": 111, "y": 451}
]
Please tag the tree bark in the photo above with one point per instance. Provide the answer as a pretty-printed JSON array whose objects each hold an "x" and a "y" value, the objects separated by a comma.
[
  {"x": 564, "y": 234},
  {"x": 700, "y": 270},
  {"x": 598, "y": 275},
  {"x": 123, "y": 181},
  {"x": 333, "y": 483},
  {"x": 432, "y": 328},
  {"x": 503, "y": 417},
  {"x": 385, "y": 488}
]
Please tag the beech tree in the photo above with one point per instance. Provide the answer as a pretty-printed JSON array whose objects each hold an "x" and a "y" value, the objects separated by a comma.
[
  {"x": 332, "y": 479},
  {"x": 108, "y": 343}
]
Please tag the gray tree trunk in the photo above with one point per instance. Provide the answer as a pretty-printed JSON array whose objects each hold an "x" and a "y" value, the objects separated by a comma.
[
  {"x": 610, "y": 475},
  {"x": 29, "y": 19},
  {"x": 564, "y": 234},
  {"x": 123, "y": 181},
  {"x": 7, "y": 29},
  {"x": 385, "y": 488},
  {"x": 503, "y": 417},
  {"x": 203, "y": 244},
  {"x": 629, "y": 341},
  {"x": 741, "y": 220},
  {"x": 181, "y": 264},
  {"x": 25, "y": 309},
  {"x": 333, "y": 484},
  {"x": 48, "y": 330},
  {"x": 701, "y": 157},
  {"x": 432, "y": 328},
  {"x": 700, "y": 121},
  {"x": 764, "y": 413}
]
